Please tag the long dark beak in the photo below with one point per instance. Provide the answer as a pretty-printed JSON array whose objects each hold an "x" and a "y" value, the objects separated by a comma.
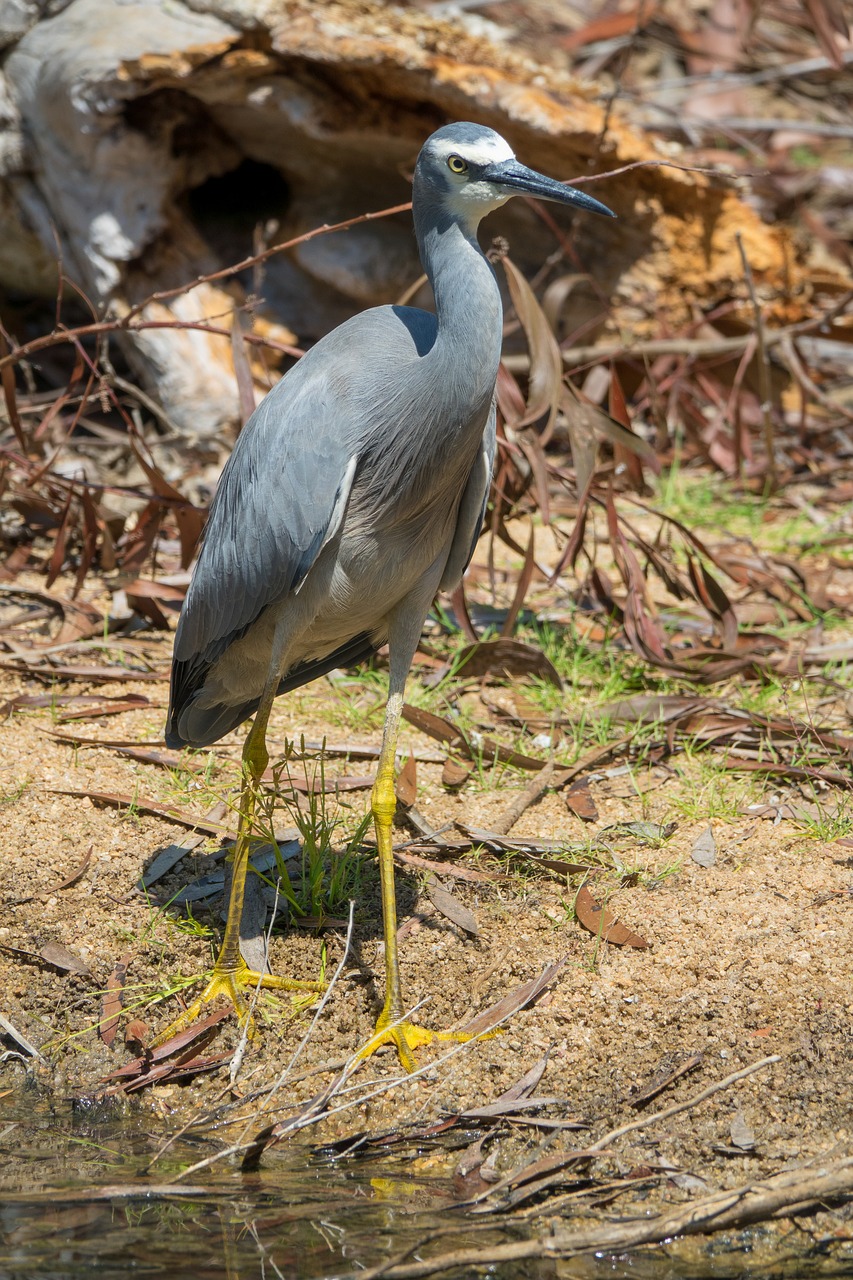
[{"x": 517, "y": 177}]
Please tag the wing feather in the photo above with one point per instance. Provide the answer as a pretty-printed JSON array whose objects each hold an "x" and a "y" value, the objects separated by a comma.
[{"x": 472, "y": 509}]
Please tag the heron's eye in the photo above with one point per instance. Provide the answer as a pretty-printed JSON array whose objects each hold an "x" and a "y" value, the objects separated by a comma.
[{"x": 456, "y": 164}]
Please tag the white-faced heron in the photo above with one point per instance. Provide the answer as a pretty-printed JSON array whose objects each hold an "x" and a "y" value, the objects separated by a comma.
[{"x": 355, "y": 493}]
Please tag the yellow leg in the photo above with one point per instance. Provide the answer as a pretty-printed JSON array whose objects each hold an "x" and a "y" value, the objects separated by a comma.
[
  {"x": 231, "y": 975},
  {"x": 391, "y": 1026}
]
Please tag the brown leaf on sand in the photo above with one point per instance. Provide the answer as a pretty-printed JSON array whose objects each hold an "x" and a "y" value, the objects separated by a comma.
[
  {"x": 579, "y": 799},
  {"x": 177, "y": 1044},
  {"x": 113, "y": 1002},
  {"x": 79, "y": 618},
  {"x": 600, "y": 922},
  {"x": 61, "y": 958},
  {"x": 452, "y": 909},
  {"x": 136, "y": 1034},
  {"x": 455, "y": 774},
  {"x": 116, "y": 800},
  {"x": 506, "y": 657},
  {"x": 79, "y": 873},
  {"x": 514, "y": 1000},
  {"x": 406, "y": 785},
  {"x": 441, "y": 729},
  {"x": 435, "y": 726}
]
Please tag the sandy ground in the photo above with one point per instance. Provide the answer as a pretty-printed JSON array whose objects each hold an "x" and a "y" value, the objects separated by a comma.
[{"x": 748, "y": 958}]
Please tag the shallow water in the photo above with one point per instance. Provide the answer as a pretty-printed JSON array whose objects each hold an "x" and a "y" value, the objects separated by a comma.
[{"x": 79, "y": 1197}]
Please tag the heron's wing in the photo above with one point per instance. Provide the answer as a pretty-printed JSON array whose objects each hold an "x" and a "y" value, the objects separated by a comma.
[
  {"x": 282, "y": 496},
  {"x": 472, "y": 509}
]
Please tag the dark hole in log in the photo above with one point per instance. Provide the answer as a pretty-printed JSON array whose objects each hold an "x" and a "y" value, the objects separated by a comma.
[{"x": 227, "y": 208}]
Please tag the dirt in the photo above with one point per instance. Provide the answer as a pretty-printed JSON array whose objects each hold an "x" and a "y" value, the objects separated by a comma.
[{"x": 747, "y": 958}]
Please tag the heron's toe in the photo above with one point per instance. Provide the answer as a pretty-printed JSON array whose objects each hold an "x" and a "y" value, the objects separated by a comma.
[{"x": 406, "y": 1038}]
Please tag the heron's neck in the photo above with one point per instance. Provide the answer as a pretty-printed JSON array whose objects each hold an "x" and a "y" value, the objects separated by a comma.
[{"x": 467, "y": 305}]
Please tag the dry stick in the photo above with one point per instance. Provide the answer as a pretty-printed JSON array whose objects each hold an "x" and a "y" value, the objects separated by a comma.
[
  {"x": 763, "y": 370},
  {"x": 548, "y": 777},
  {"x": 688, "y": 1105},
  {"x": 603, "y": 1144},
  {"x": 531, "y": 793},
  {"x": 688, "y": 347},
  {"x": 778, "y": 1196},
  {"x": 798, "y": 372},
  {"x": 129, "y": 320},
  {"x": 255, "y": 259}
]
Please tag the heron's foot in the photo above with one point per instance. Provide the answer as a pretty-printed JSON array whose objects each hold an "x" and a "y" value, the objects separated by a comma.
[
  {"x": 406, "y": 1037},
  {"x": 234, "y": 983}
]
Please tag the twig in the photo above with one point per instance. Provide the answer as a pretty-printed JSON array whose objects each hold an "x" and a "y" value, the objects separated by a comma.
[
  {"x": 130, "y": 322},
  {"x": 763, "y": 370},
  {"x": 688, "y": 1105},
  {"x": 548, "y": 776},
  {"x": 690, "y": 348},
  {"x": 774, "y": 1197},
  {"x": 531, "y": 793},
  {"x": 255, "y": 259},
  {"x": 798, "y": 372},
  {"x": 750, "y": 124}
]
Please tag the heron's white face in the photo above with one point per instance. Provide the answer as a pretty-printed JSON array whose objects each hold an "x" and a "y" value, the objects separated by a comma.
[
  {"x": 468, "y": 196},
  {"x": 470, "y": 170}
]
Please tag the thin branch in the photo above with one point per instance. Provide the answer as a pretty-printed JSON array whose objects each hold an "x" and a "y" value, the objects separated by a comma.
[
  {"x": 764, "y": 379},
  {"x": 688, "y": 1105},
  {"x": 793, "y": 1191}
]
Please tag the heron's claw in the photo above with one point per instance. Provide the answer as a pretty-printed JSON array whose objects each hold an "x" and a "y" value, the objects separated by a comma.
[
  {"x": 406, "y": 1037},
  {"x": 231, "y": 982}
]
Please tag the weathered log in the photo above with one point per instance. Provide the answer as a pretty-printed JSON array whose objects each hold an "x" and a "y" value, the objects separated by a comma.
[{"x": 161, "y": 141}]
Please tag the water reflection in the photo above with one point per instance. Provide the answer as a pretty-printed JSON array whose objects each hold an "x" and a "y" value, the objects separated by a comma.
[{"x": 78, "y": 1198}]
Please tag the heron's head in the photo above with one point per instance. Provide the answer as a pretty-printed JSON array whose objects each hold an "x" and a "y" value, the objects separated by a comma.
[{"x": 470, "y": 170}]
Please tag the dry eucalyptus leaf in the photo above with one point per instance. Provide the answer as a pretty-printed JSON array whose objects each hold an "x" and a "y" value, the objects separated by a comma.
[
  {"x": 450, "y": 907},
  {"x": 579, "y": 800},
  {"x": 406, "y": 785},
  {"x": 514, "y": 1000},
  {"x": 61, "y": 958},
  {"x": 455, "y": 774},
  {"x": 600, "y": 922},
  {"x": 113, "y": 1001},
  {"x": 704, "y": 849},
  {"x": 741, "y": 1134}
]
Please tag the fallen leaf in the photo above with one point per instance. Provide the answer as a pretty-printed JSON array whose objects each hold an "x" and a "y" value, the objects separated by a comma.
[
  {"x": 598, "y": 920},
  {"x": 741, "y": 1134},
  {"x": 514, "y": 1000},
  {"x": 455, "y": 774},
  {"x": 79, "y": 873},
  {"x": 435, "y": 726},
  {"x": 663, "y": 1078},
  {"x": 508, "y": 658},
  {"x": 579, "y": 800},
  {"x": 113, "y": 1002},
  {"x": 528, "y": 1082},
  {"x": 116, "y": 800},
  {"x": 406, "y": 785},
  {"x": 136, "y": 1033},
  {"x": 458, "y": 873},
  {"x": 42, "y": 669},
  {"x": 176, "y": 1044},
  {"x": 61, "y": 958},
  {"x": 452, "y": 909},
  {"x": 704, "y": 849},
  {"x": 645, "y": 832},
  {"x": 507, "y": 1106}
]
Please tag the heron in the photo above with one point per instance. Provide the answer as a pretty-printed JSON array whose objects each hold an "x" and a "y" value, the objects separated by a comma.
[{"x": 354, "y": 494}]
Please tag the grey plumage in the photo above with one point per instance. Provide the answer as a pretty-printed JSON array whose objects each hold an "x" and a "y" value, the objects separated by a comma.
[
  {"x": 354, "y": 492},
  {"x": 361, "y": 480}
]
